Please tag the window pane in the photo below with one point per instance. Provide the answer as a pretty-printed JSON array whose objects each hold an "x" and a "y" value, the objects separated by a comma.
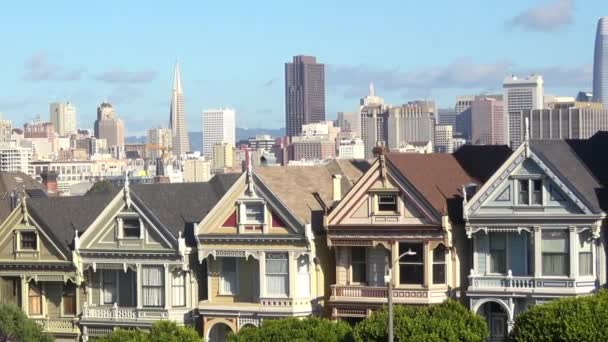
[
  {"x": 228, "y": 276},
  {"x": 69, "y": 299},
  {"x": 555, "y": 264},
  {"x": 358, "y": 265},
  {"x": 387, "y": 202},
  {"x": 585, "y": 263},
  {"x": 153, "y": 286},
  {"x": 28, "y": 241},
  {"x": 411, "y": 252},
  {"x": 537, "y": 195},
  {"x": 555, "y": 241},
  {"x": 524, "y": 198},
  {"x": 178, "y": 290},
  {"x": 277, "y": 274},
  {"x": 438, "y": 273},
  {"x": 498, "y": 255},
  {"x": 254, "y": 213},
  {"x": 130, "y": 228},
  {"x": 109, "y": 287},
  {"x": 411, "y": 274},
  {"x": 35, "y": 300}
]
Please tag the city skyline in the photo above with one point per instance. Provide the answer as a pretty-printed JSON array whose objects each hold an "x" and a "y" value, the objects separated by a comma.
[{"x": 41, "y": 73}]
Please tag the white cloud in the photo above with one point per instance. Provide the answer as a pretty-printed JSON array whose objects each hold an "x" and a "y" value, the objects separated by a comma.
[{"x": 547, "y": 17}]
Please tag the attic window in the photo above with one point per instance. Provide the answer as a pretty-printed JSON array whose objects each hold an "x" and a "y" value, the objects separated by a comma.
[
  {"x": 131, "y": 228},
  {"x": 387, "y": 202},
  {"x": 29, "y": 241},
  {"x": 254, "y": 213}
]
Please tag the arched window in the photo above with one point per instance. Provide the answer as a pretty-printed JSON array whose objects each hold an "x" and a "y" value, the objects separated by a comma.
[{"x": 439, "y": 266}]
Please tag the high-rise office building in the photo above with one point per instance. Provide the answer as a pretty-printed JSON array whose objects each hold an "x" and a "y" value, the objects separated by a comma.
[
  {"x": 349, "y": 122},
  {"x": 177, "y": 118},
  {"x": 600, "y": 63},
  {"x": 38, "y": 129},
  {"x": 6, "y": 130},
  {"x": 304, "y": 93},
  {"x": 218, "y": 127},
  {"x": 463, "y": 116},
  {"x": 63, "y": 117},
  {"x": 197, "y": 170},
  {"x": 411, "y": 122},
  {"x": 520, "y": 94},
  {"x": 15, "y": 159},
  {"x": 563, "y": 123},
  {"x": 446, "y": 116},
  {"x": 487, "y": 121},
  {"x": 159, "y": 139},
  {"x": 110, "y": 128},
  {"x": 374, "y": 127},
  {"x": 444, "y": 142},
  {"x": 223, "y": 155}
]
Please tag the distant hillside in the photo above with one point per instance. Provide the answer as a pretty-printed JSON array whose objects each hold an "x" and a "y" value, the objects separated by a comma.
[{"x": 196, "y": 138}]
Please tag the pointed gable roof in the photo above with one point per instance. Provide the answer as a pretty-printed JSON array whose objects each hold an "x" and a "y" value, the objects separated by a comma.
[{"x": 563, "y": 160}]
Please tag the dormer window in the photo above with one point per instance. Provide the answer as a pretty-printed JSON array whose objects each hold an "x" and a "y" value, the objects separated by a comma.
[
  {"x": 29, "y": 241},
  {"x": 131, "y": 228},
  {"x": 254, "y": 213},
  {"x": 387, "y": 203},
  {"x": 530, "y": 192}
]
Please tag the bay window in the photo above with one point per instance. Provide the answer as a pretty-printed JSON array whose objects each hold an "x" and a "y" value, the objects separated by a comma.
[
  {"x": 68, "y": 297},
  {"x": 35, "y": 299},
  {"x": 555, "y": 247},
  {"x": 153, "y": 286},
  {"x": 585, "y": 255},
  {"x": 411, "y": 265},
  {"x": 178, "y": 289},
  {"x": 439, "y": 266},
  {"x": 277, "y": 274},
  {"x": 303, "y": 276},
  {"x": 109, "y": 286},
  {"x": 228, "y": 280},
  {"x": 358, "y": 265},
  {"x": 498, "y": 253}
]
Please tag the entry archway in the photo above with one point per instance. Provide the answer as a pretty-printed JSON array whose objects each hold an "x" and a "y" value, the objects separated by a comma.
[
  {"x": 497, "y": 317},
  {"x": 219, "y": 332}
]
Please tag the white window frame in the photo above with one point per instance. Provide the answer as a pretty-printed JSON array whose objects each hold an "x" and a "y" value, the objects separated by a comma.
[
  {"x": 178, "y": 275},
  {"x": 19, "y": 241},
  {"x": 364, "y": 262},
  {"x": 530, "y": 181},
  {"x": 260, "y": 205},
  {"x": 580, "y": 236},
  {"x": 123, "y": 235},
  {"x": 222, "y": 277},
  {"x": 377, "y": 196},
  {"x": 568, "y": 254},
  {"x": 163, "y": 292},
  {"x": 287, "y": 275},
  {"x": 102, "y": 299}
]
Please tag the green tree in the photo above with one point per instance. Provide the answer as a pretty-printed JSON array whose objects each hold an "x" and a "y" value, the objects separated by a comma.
[
  {"x": 167, "y": 331},
  {"x": 162, "y": 331},
  {"x": 311, "y": 329},
  {"x": 448, "y": 321},
  {"x": 566, "y": 319},
  {"x": 16, "y": 326}
]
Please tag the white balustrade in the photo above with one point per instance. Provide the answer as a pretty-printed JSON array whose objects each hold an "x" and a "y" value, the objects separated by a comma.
[
  {"x": 122, "y": 314},
  {"x": 56, "y": 324}
]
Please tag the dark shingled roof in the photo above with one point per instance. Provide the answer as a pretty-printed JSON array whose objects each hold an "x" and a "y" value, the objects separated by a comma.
[
  {"x": 481, "y": 161},
  {"x": 564, "y": 161},
  {"x": 592, "y": 153},
  {"x": 177, "y": 205},
  {"x": 62, "y": 216},
  {"x": 19, "y": 181}
]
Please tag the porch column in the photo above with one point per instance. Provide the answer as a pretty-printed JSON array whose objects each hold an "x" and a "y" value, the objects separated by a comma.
[
  {"x": 293, "y": 269},
  {"x": 167, "y": 287},
  {"x": 262, "y": 275},
  {"x": 427, "y": 262},
  {"x": 24, "y": 295},
  {"x": 138, "y": 287},
  {"x": 395, "y": 263},
  {"x": 538, "y": 259},
  {"x": 573, "y": 239}
]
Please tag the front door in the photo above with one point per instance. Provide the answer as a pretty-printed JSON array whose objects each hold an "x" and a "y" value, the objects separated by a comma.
[{"x": 498, "y": 327}]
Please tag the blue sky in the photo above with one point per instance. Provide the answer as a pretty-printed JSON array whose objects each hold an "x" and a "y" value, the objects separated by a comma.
[{"x": 232, "y": 53}]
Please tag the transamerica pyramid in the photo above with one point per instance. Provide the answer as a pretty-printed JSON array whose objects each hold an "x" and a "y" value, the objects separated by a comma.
[{"x": 177, "y": 119}]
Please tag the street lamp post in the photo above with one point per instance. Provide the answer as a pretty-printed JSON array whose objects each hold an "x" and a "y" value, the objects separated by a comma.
[{"x": 389, "y": 283}]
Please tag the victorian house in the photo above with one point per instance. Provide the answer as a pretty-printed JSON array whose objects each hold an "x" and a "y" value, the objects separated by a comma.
[
  {"x": 260, "y": 253},
  {"x": 535, "y": 228}
]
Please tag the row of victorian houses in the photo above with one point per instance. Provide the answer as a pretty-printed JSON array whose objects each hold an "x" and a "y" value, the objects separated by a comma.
[{"x": 497, "y": 229}]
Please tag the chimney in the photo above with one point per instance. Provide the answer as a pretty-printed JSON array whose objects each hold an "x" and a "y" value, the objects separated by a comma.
[
  {"x": 336, "y": 188},
  {"x": 49, "y": 180}
]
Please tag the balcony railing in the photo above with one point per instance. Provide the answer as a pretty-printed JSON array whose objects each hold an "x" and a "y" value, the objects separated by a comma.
[
  {"x": 359, "y": 291},
  {"x": 528, "y": 283},
  {"x": 116, "y": 313},
  {"x": 57, "y": 325}
]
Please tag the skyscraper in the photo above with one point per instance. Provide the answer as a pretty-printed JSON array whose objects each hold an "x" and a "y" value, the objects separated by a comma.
[
  {"x": 487, "y": 121},
  {"x": 6, "y": 130},
  {"x": 600, "y": 63},
  {"x": 177, "y": 119},
  {"x": 63, "y": 117},
  {"x": 411, "y": 122},
  {"x": 374, "y": 127},
  {"x": 110, "y": 128},
  {"x": 463, "y": 116},
  {"x": 304, "y": 93},
  {"x": 158, "y": 139},
  {"x": 218, "y": 128},
  {"x": 520, "y": 94}
]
